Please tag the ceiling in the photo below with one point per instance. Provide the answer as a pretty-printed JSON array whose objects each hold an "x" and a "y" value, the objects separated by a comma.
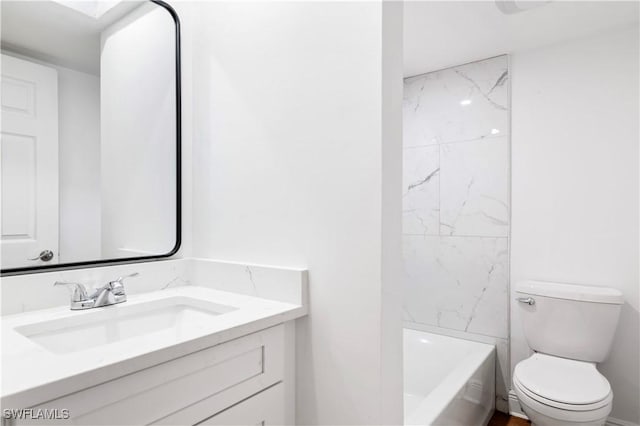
[
  {"x": 441, "y": 34},
  {"x": 58, "y": 34}
]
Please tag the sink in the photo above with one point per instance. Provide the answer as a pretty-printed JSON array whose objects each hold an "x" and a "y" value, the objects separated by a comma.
[{"x": 171, "y": 317}]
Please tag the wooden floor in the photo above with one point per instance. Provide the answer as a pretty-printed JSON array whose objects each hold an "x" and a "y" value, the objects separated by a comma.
[{"x": 501, "y": 419}]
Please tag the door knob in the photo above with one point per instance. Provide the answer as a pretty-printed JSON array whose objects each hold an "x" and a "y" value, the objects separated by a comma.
[
  {"x": 45, "y": 256},
  {"x": 528, "y": 300}
]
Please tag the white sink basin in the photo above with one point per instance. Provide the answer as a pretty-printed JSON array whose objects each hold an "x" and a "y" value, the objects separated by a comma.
[{"x": 170, "y": 317}]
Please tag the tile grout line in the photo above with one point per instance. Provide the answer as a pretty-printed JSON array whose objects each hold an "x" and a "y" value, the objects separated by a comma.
[
  {"x": 482, "y": 138},
  {"x": 455, "y": 236},
  {"x": 423, "y": 324}
]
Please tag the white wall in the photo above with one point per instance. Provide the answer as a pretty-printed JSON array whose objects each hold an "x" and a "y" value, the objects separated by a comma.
[
  {"x": 391, "y": 357},
  {"x": 291, "y": 119},
  {"x": 575, "y": 184},
  {"x": 138, "y": 134},
  {"x": 79, "y": 172}
]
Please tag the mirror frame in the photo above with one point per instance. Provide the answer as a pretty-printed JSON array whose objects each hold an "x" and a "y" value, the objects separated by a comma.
[{"x": 178, "y": 241}]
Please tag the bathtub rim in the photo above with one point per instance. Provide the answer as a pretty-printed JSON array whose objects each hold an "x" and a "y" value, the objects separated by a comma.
[{"x": 439, "y": 398}]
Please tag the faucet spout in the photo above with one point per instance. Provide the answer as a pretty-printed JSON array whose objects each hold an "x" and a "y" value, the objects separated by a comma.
[{"x": 104, "y": 298}]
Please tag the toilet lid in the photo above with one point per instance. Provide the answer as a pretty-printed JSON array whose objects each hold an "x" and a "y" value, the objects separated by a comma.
[{"x": 562, "y": 380}]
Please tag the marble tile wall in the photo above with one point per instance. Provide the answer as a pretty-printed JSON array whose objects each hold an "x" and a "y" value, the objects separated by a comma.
[{"x": 456, "y": 203}]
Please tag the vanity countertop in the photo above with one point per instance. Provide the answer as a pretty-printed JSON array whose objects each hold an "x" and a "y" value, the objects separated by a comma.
[{"x": 32, "y": 374}]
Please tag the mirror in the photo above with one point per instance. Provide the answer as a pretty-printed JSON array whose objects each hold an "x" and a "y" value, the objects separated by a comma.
[{"x": 90, "y": 133}]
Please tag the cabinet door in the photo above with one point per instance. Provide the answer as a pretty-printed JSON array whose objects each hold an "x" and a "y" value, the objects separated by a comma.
[
  {"x": 182, "y": 391},
  {"x": 265, "y": 408}
]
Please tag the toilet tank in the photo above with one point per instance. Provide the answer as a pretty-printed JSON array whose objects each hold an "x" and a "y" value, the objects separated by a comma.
[{"x": 567, "y": 320}]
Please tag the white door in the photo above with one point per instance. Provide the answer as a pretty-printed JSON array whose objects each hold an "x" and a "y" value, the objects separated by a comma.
[{"x": 29, "y": 163}]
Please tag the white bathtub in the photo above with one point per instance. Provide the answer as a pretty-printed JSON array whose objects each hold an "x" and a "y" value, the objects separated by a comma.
[{"x": 447, "y": 381}]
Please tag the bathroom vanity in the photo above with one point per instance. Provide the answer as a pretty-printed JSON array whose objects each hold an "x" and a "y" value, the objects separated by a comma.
[
  {"x": 143, "y": 340},
  {"x": 190, "y": 354}
]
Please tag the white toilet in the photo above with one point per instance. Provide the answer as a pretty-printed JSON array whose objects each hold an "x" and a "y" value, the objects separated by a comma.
[{"x": 570, "y": 328}]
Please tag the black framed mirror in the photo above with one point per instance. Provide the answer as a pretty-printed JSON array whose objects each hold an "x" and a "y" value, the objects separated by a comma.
[{"x": 90, "y": 133}]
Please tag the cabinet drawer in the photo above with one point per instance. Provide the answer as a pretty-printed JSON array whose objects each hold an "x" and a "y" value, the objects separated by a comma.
[
  {"x": 265, "y": 408},
  {"x": 237, "y": 369}
]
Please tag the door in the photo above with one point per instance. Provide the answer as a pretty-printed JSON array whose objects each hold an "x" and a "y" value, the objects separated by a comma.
[{"x": 28, "y": 163}]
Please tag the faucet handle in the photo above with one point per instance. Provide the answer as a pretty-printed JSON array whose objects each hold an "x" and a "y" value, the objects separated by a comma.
[
  {"x": 120, "y": 279},
  {"x": 117, "y": 287},
  {"x": 79, "y": 292}
]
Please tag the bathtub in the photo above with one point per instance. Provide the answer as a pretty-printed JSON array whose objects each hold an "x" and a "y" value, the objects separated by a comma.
[{"x": 447, "y": 381}]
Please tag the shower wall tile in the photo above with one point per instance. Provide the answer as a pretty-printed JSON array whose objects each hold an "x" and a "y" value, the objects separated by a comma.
[
  {"x": 456, "y": 204},
  {"x": 421, "y": 190},
  {"x": 458, "y": 283},
  {"x": 469, "y": 102},
  {"x": 474, "y": 188}
]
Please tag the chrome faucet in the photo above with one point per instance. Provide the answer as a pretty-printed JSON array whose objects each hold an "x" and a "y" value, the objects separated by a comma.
[{"x": 109, "y": 294}]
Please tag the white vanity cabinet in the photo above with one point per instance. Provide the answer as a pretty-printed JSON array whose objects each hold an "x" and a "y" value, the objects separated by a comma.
[
  {"x": 248, "y": 381},
  {"x": 262, "y": 409}
]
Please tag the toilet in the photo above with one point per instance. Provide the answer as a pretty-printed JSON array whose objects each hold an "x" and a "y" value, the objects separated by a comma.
[{"x": 570, "y": 328}]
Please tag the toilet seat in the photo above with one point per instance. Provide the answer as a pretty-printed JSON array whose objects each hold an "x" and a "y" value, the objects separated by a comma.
[
  {"x": 563, "y": 389},
  {"x": 565, "y": 383},
  {"x": 559, "y": 405},
  {"x": 534, "y": 408}
]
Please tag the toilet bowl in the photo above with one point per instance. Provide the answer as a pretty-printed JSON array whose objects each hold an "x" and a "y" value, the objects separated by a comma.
[
  {"x": 570, "y": 328},
  {"x": 556, "y": 391}
]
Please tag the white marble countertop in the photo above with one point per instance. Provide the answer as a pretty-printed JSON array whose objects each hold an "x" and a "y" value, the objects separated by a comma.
[{"x": 32, "y": 374}]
